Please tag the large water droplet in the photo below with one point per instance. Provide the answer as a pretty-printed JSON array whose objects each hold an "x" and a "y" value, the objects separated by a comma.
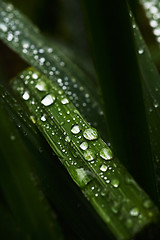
[
  {"x": 134, "y": 212},
  {"x": 64, "y": 101},
  {"x": 103, "y": 168},
  {"x": 75, "y": 129},
  {"x": 90, "y": 134},
  {"x": 84, "y": 145},
  {"x": 48, "y": 100},
  {"x": 26, "y": 95},
  {"x": 106, "y": 153},
  {"x": 3, "y": 27},
  {"x": 89, "y": 155},
  {"x": 115, "y": 183}
]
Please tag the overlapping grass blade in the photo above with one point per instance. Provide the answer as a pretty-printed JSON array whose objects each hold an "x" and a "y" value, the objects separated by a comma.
[
  {"x": 116, "y": 197},
  {"x": 24, "y": 38},
  {"x": 26, "y": 201}
]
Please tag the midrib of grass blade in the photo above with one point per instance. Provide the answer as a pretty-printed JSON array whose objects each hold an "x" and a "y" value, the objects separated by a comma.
[
  {"x": 26, "y": 201},
  {"x": 116, "y": 197},
  {"x": 151, "y": 93},
  {"x": 25, "y": 39}
]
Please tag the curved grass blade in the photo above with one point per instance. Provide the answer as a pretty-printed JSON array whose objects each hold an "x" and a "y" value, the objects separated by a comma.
[
  {"x": 151, "y": 93},
  {"x": 26, "y": 201},
  {"x": 110, "y": 189},
  {"x": 24, "y": 38}
]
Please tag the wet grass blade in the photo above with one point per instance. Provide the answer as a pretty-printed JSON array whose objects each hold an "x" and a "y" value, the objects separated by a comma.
[
  {"x": 151, "y": 93},
  {"x": 26, "y": 201},
  {"x": 24, "y": 38},
  {"x": 110, "y": 189}
]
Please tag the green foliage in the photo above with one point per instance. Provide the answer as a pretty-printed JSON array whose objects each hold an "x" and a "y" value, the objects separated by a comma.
[{"x": 57, "y": 109}]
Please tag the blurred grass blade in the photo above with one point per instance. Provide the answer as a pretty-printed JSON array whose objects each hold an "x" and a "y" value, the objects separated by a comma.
[
  {"x": 104, "y": 181},
  {"x": 26, "y": 201},
  {"x": 151, "y": 93},
  {"x": 24, "y": 38}
]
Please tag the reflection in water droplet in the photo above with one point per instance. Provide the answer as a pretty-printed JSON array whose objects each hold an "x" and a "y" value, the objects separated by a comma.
[
  {"x": 134, "y": 212},
  {"x": 41, "y": 86},
  {"x": 106, "y": 153},
  {"x": 115, "y": 183},
  {"x": 84, "y": 145},
  {"x": 89, "y": 155},
  {"x": 90, "y": 134},
  {"x": 103, "y": 168},
  {"x": 75, "y": 129},
  {"x": 48, "y": 100},
  {"x": 25, "y": 95},
  {"x": 64, "y": 101}
]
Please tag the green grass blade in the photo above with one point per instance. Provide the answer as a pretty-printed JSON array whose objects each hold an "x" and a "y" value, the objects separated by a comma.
[
  {"x": 26, "y": 201},
  {"x": 110, "y": 189},
  {"x": 151, "y": 93},
  {"x": 24, "y": 38}
]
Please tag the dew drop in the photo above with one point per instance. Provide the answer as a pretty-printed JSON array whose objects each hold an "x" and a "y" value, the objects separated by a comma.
[
  {"x": 84, "y": 145},
  {"x": 106, "y": 153},
  {"x": 115, "y": 183},
  {"x": 67, "y": 139},
  {"x": 90, "y": 134},
  {"x": 26, "y": 95},
  {"x": 43, "y": 118},
  {"x": 89, "y": 155},
  {"x": 12, "y": 137},
  {"x": 75, "y": 129},
  {"x": 156, "y": 105},
  {"x": 147, "y": 203},
  {"x": 141, "y": 51},
  {"x": 34, "y": 76},
  {"x": 48, "y": 100},
  {"x": 103, "y": 168},
  {"x": 25, "y": 44},
  {"x": 41, "y": 86},
  {"x": 64, "y": 101},
  {"x": 3, "y": 27},
  {"x": 134, "y": 212}
]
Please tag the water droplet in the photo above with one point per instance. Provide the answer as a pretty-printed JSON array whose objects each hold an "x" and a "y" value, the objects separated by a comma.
[
  {"x": 83, "y": 177},
  {"x": 141, "y": 51},
  {"x": 67, "y": 139},
  {"x": 35, "y": 76},
  {"x": 147, "y": 203},
  {"x": 134, "y": 212},
  {"x": 106, "y": 153},
  {"x": 41, "y": 86},
  {"x": 64, "y": 101},
  {"x": 156, "y": 105},
  {"x": 25, "y": 44},
  {"x": 12, "y": 137},
  {"x": 3, "y": 27},
  {"x": 75, "y": 129},
  {"x": 89, "y": 155},
  {"x": 43, "y": 118},
  {"x": 103, "y": 168},
  {"x": 26, "y": 95},
  {"x": 84, "y": 145},
  {"x": 115, "y": 183},
  {"x": 48, "y": 100},
  {"x": 90, "y": 134}
]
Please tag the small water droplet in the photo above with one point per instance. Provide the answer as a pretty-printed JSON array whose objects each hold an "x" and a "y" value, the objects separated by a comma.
[
  {"x": 90, "y": 134},
  {"x": 25, "y": 44},
  {"x": 89, "y": 155},
  {"x": 41, "y": 86},
  {"x": 156, "y": 105},
  {"x": 103, "y": 168},
  {"x": 26, "y": 95},
  {"x": 134, "y": 212},
  {"x": 147, "y": 203},
  {"x": 75, "y": 129},
  {"x": 35, "y": 76},
  {"x": 106, "y": 153},
  {"x": 3, "y": 27},
  {"x": 43, "y": 118},
  {"x": 141, "y": 51},
  {"x": 84, "y": 145},
  {"x": 67, "y": 139},
  {"x": 115, "y": 183},
  {"x": 64, "y": 101},
  {"x": 12, "y": 137},
  {"x": 48, "y": 100}
]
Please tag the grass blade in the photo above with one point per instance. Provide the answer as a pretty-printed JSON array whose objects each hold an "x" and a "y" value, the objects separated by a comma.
[
  {"x": 24, "y": 38},
  {"x": 104, "y": 181},
  {"x": 27, "y": 203}
]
